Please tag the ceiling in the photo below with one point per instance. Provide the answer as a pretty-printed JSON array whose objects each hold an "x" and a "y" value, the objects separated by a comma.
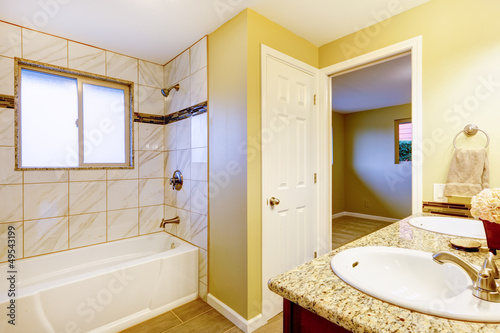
[
  {"x": 384, "y": 84},
  {"x": 158, "y": 30}
]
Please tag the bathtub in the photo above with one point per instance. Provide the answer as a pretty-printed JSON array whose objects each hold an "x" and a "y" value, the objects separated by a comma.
[{"x": 101, "y": 288}]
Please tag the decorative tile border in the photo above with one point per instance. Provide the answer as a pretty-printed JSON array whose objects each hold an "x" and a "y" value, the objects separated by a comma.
[
  {"x": 149, "y": 118},
  {"x": 171, "y": 118},
  {"x": 186, "y": 113},
  {"x": 7, "y": 101}
]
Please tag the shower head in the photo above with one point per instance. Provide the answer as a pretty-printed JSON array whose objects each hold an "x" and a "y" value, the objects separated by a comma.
[{"x": 165, "y": 92}]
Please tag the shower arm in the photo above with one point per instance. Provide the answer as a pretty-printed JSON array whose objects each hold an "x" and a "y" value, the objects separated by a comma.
[{"x": 166, "y": 91}]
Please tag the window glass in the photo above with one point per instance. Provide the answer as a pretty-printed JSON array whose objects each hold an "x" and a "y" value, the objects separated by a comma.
[
  {"x": 103, "y": 125},
  {"x": 48, "y": 120},
  {"x": 403, "y": 137}
]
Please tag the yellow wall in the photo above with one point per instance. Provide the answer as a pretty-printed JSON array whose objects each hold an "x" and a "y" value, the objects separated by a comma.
[
  {"x": 235, "y": 122},
  {"x": 370, "y": 174},
  {"x": 227, "y": 63},
  {"x": 338, "y": 182},
  {"x": 461, "y": 73}
]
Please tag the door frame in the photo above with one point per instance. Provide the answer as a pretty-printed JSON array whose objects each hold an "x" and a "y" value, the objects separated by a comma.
[
  {"x": 414, "y": 46},
  {"x": 268, "y": 52}
]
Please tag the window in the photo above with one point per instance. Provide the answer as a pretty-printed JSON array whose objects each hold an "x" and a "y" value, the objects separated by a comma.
[
  {"x": 70, "y": 119},
  {"x": 402, "y": 134}
]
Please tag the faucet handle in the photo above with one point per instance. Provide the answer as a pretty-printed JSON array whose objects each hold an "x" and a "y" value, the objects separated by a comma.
[
  {"x": 485, "y": 280},
  {"x": 489, "y": 263}
]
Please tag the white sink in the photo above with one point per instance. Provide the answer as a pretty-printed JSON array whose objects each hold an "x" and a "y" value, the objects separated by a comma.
[
  {"x": 450, "y": 226},
  {"x": 411, "y": 279}
]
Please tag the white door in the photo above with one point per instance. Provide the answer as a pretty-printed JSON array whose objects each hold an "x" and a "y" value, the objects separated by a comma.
[{"x": 290, "y": 227}]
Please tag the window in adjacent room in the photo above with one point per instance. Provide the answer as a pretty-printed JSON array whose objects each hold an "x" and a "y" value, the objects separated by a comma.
[
  {"x": 402, "y": 136},
  {"x": 70, "y": 119}
]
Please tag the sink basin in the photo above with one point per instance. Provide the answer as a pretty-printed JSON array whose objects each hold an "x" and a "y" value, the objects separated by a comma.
[
  {"x": 411, "y": 279},
  {"x": 450, "y": 226}
]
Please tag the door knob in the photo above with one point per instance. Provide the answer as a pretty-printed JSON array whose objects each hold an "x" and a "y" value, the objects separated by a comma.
[{"x": 274, "y": 201}]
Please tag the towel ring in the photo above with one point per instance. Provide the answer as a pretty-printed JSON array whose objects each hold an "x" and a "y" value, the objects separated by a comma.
[{"x": 471, "y": 130}]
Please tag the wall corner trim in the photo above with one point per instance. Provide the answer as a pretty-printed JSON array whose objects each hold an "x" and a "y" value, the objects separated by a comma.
[{"x": 246, "y": 326}]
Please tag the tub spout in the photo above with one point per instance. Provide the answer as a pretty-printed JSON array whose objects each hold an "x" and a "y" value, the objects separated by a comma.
[{"x": 164, "y": 222}]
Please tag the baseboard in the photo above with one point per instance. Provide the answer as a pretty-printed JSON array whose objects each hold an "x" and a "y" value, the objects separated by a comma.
[
  {"x": 366, "y": 216},
  {"x": 334, "y": 216},
  {"x": 246, "y": 326}
]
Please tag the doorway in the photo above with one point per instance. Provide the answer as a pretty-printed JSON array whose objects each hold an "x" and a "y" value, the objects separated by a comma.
[
  {"x": 371, "y": 125},
  {"x": 413, "y": 48}
]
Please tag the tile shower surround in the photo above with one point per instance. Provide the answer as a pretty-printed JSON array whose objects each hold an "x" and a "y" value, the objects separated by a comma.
[{"x": 56, "y": 210}]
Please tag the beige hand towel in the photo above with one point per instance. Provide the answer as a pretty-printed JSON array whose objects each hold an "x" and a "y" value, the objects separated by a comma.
[{"x": 469, "y": 173}]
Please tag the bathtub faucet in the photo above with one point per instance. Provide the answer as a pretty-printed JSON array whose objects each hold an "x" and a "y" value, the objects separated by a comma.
[{"x": 175, "y": 220}]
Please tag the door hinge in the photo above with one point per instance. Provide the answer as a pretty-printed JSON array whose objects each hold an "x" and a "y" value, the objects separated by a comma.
[
  {"x": 315, "y": 178},
  {"x": 314, "y": 99}
]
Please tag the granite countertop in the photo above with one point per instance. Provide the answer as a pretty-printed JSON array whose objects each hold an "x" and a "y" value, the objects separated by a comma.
[{"x": 315, "y": 287}]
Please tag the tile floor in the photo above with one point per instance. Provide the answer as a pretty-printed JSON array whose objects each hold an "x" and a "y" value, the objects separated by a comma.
[{"x": 197, "y": 316}]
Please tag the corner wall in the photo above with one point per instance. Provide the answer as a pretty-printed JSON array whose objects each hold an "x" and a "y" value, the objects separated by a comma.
[{"x": 235, "y": 156}]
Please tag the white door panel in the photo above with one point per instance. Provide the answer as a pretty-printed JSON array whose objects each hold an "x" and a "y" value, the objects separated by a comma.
[{"x": 289, "y": 229}]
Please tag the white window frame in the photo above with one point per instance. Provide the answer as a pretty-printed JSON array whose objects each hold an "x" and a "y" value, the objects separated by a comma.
[{"x": 82, "y": 78}]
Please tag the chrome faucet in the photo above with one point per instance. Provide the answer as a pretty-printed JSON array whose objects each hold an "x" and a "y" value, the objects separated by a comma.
[
  {"x": 485, "y": 286},
  {"x": 175, "y": 220}
]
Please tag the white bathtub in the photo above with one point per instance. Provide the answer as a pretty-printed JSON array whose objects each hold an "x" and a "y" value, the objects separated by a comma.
[{"x": 101, "y": 288}]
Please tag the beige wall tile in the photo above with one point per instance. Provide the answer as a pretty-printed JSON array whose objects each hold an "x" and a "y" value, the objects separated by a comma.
[
  {"x": 199, "y": 197},
  {"x": 202, "y": 265},
  {"x": 87, "y": 197},
  {"x": 10, "y": 40},
  {"x": 86, "y": 175},
  {"x": 181, "y": 66},
  {"x": 151, "y": 164},
  {"x": 199, "y": 230},
  {"x": 151, "y": 192},
  {"x": 169, "y": 74},
  {"x": 87, "y": 229},
  {"x": 184, "y": 163},
  {"x": 45, "y": 176},
  {"x": 199, "y": 132},
  {"x": 45, "y": 236},
  {"x": 87, "y": 58},
  {"x": 11, "y": 203},
  {"x": 199, "y": 164},
  {"x": 122, "y": 194},
  {"x": 150, "y": 74},
  {"x": 198, "y": 55},
  {"x": 179, "y": 100},
  {"x": 121, "y": 67},
  {"x": 151, "y": 137},
  {"x": 150, "y": 219},
  {"x": 7, "y": 127},
  {"x": 199, "y": 86},
  {"x": 45, "y": 200},
  {"x": 45, "y": 48},
  {"x": 6, "y": 76},
  {"x": 170, "y": 135},
  {"x": 123, "y": 223},
  {"x": 184, "y": 133},
  {"x": 7, "y": 173},
  {"x": 151, "y": 100}
]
